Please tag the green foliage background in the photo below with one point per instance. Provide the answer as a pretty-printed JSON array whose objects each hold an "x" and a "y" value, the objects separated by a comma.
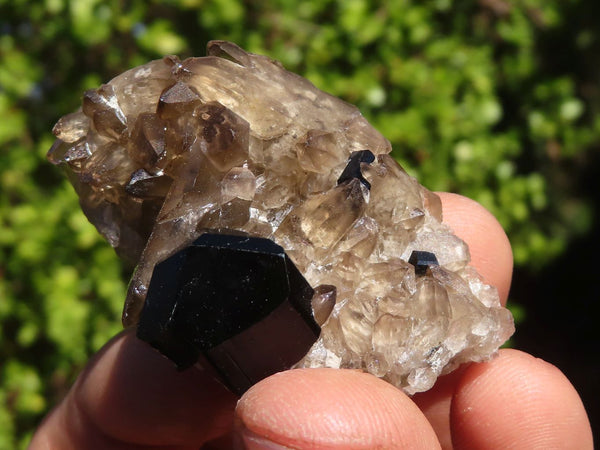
[{"x": 490, "y": 98}]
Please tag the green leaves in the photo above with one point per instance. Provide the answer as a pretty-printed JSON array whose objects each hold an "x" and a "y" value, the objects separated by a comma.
[
  {"x": 91, "y": 20},
  {"x": 161, "y": 39}
]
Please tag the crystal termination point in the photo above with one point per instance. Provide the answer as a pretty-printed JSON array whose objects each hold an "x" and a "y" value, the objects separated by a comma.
[
  {"x": 226, "y": 297},
  {"x": 422, "y": 260}
]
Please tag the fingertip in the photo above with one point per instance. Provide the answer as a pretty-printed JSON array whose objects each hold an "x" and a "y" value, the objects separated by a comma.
[
  {"x": 131, "y": 395},
  {"x": 518, "y": 401},
  {"x": 327, "y": 408},
  {"x": 130, "y": 390},
  {"x": 490, "y": 249}
]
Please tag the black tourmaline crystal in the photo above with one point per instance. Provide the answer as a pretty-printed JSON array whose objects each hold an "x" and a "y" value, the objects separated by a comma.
[
  {"x": 238, "y": 300},
  {"x": 352, "y": 169},
  {"x": 422, "y": 260}
]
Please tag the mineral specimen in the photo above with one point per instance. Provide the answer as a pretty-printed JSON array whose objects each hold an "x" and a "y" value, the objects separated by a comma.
[{"x": 232, "y": 143}]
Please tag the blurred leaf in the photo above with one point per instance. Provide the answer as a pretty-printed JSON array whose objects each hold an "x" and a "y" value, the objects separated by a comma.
[{"x": 160, "y": 38}]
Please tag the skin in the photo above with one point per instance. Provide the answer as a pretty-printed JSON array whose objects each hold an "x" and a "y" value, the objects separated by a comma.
[{"x": 130, "y": 397}]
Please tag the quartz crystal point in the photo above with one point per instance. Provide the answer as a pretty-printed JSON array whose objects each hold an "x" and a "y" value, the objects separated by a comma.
[{"x": 233, "y": 143}]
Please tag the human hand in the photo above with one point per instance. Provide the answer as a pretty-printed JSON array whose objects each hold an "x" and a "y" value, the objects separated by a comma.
[{"x": 129, "y": 396}]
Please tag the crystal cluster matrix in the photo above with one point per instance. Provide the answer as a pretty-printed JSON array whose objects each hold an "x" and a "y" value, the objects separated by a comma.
[{"x": 234, "y": 143}]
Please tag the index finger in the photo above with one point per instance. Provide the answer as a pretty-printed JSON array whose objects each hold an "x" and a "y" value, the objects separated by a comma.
[{"x": 130, "y": 394}]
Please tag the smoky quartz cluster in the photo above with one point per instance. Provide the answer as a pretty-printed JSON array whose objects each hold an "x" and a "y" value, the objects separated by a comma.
[{"x": 234, "y": 144}]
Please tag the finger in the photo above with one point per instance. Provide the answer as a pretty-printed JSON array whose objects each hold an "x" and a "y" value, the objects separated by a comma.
[
  {"x": 435, "y": 405},
  {"x": 518, "y": 401},
  {"x": 130, "y": 394},
  {"x": 491, "y": 255},
  {"x": 330, "y": 409},
  {"x": 490, "y": 249}
]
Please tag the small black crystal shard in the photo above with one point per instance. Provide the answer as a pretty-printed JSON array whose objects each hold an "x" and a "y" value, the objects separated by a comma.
[
  {"x": 352, "y": 169},
  {"x": 238, "y": 300},
  {"x": 421, "y": 260}
]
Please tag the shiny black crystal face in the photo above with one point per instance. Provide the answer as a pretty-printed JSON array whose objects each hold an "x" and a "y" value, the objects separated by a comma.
[
  {"x": 421, "y": 260},
  {"x": 238, "y": 300},
  {"x": 352, "y": 169}
]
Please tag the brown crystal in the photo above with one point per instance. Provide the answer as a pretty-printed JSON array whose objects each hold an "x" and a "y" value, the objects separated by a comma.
[
  {"x": 323, "y": 302},
  {"x": 233, "y": 142}
]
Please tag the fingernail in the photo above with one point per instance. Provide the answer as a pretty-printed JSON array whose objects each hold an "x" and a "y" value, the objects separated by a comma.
[{"x": 245, "y": 439}]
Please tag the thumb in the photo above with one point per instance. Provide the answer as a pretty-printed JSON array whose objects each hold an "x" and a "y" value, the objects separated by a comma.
[{"x": 329, "y": 409}]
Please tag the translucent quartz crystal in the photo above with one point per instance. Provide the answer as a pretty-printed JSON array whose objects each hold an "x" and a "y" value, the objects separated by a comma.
[{"x": 231, "y": 143}]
